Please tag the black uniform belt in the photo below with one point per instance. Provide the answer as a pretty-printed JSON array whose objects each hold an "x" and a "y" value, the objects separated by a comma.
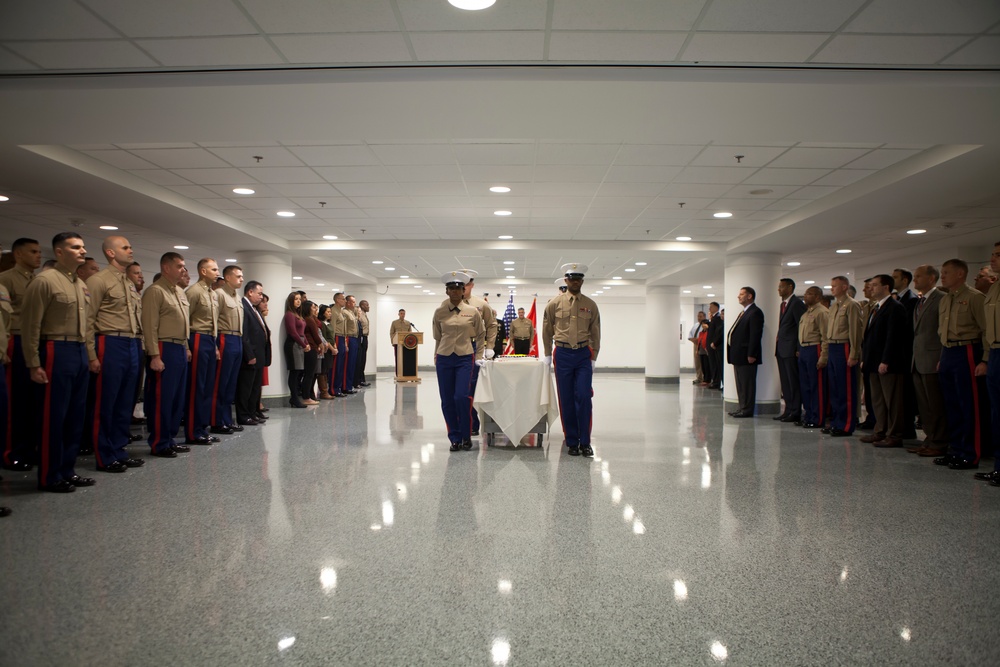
[
  {"x": 203, "y": 333},
  {"x": 519, "y": 338},
  {"x": 66, "y": 339},
  {"x": 808, "y": 344},
  {"x": 840, "y": 342},
  {"x": 118, "y": 334},
  {"x": 178, "y": 341},
  {"x": 569, "y": 346},
  {"x": 957, "y": 343},
  {"x": 230, "y": 333}
]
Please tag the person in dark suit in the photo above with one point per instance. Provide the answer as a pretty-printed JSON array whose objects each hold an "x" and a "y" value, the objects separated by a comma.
[
  {"x": 255, "y": 350},
  {"x": 926, "y": 355},
  {"x": 886, "y": 355},
  {"x": 715, "y": 345},
  {"x": 743, "y": 350},
  {"x": 906, "y": 295},
  {"x": 786, "y": 350}
]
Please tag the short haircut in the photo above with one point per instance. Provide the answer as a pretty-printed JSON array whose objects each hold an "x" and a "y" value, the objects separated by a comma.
[
  {"x": 958, "y": 264},
  {"x": 827, "y": 299},
  {"x": 61, "y": 238},
  {"x": 930, "y": 269},
  {"x": 906, "y": 274},
  {"x": 815, "y": 290},
  {"x": 886, "y": 280},
  {"x": 852, "y": 290},
  {"x": 21, "y": 242},
  {"x": 133, "y": 264},
  {"x": 250, "y": 286},
  {"x": 202, "y": 262},
  {"x": 336, "y": 294},
  {"x": 715, "y": 303},
  {"x": 841, "y": 279},
  {"x": 402, "y": 310},
  {"x": 751, "y": 292},
  {"x": 170, "y": 257},
  {"x": 349, "y": 296},
  {"x": 520, "y": 310},
  {"x": 49, "y": 263},
  {"x": 230, "y": 268},
  {"x": 789, "y": 282},
  {"x": 89, "y": 259}
]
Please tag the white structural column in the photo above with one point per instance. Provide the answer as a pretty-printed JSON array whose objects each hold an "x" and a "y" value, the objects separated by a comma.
[
  {"x": 274, "y": 271},
  {"x": 761, "y": 271},
  {"x": 367, "y": 292},
  {"x": 663, "y": 318}
]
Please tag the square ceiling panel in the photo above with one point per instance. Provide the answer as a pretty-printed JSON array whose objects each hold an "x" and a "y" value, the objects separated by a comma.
[{"x": 177, "y": 18}]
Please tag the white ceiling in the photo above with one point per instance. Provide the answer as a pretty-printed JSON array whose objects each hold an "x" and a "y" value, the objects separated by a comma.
[{"x": 598, "y": 157}]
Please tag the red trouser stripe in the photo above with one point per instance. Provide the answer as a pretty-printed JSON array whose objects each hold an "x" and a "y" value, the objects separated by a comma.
[
  {"x": 849, "y": 420},
  {"x": 50, "y": 353},
  {"x": 9, "y": 447},
  {"x": 218, "y": 374},
  {"x": 977, "y": 437},
  {"x": 189, "y": 425},
  {"x": 157, "y": 379},
  {"x": 95, "y": 435}
]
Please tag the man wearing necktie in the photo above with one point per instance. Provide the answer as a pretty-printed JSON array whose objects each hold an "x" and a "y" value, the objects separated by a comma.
[
  {"x": 255, "y": 352},
  {"x": 926, "y": 354},
  {"x": 743, "y": 351},
  {"x": 786, "y": 350}
]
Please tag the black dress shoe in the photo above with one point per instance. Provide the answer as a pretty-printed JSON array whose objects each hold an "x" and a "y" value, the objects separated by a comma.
[
  {"x": 945, "y": 460},
  {"x": 963, "y": 464},
  {"x": 573, "y": 451},
  {"x": 587, "y": 450},
  {"x": 778, "y": 418},
  {"x": 365, "y": 384},
  {"x": 136, "y": 437},
  {"x": 265, "y": 409},
  {"x": 59, "y": 487},
  {"x": 791, "y": 418},
  {"x": 85, "y": 451},
  {"x": 296, "y": 404},
  {"x": 223, "y": 430},
  {"x": 798, "y": 423},
  {"x": 466, "y": 445},
  {"x": 234, "y": 427},
  {"x": 350, "y": 391},
  {"x": 133, "y": 462},
  {"x": 246, "y": 421},
  {"x": 116, "y": 466},
  {"x": 838, "y": 433},
  {"x": 18, "y": 466},
  {"x": 340, "y": 395},
  {"x": 203, "y": 440},
  {"x": 455, "y": 446},
  {"x": 138, "y": 420},
  {"x": 260, "y": 416},
  {"x": 743, "y": 415},
  {"x": 165, "y": 453},
  {"x": 180, "y": 449},
  {"x": 5, "y": 511},
  {"x": 826, "y": 429},
  {"x": 866, "y": 425},
  {"x": 476, "y": 432},
  {"x": 809, "y": 425},
  {"x": 213, "y": 439},
  {"x": 76, "y": 480},
  {"x": 987, "y": 476}
]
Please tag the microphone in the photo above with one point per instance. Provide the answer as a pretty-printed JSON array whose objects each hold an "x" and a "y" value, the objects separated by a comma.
[{"x": 414, "y": 327}]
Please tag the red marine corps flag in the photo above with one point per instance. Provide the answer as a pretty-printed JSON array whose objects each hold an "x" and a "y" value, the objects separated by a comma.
[{"x": 533, "y": 352}]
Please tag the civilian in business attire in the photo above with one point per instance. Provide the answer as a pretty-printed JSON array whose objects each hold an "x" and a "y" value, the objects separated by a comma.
[
  {"x": 906, "y": 295},
  {"x": 715, "y": 337},
  {"x": 786, "y": 350},
  {"x": 888, "y": 351},
  {"x": 255, "y": 353},
  {"x": 926, "y": 355},
  {"x": 866, "y": 386},
  {"x": 694, "y": 336},
  {"x": 991, "y": 308},
  {"x": 743, "y": 351}
]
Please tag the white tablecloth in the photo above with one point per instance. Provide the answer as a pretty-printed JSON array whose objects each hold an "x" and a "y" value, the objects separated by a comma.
[{"x": 517, "y": 394}]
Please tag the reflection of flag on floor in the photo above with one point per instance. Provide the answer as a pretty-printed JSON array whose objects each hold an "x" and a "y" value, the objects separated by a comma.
[
  {"x": 533, "y": 352},
  {"x": 509, "y": 316}
]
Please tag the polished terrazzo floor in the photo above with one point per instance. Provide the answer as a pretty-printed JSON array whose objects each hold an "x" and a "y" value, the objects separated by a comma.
[{"x": 349, "y": 535}]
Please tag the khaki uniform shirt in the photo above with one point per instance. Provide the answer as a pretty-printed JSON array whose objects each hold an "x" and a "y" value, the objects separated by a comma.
[
  {"x": 338, "y": 322},
  {"x": 5, "y": 313},
  {"x": 521, "y": 328},
  {"x": 992, "y": 309},
  {"x": 230, "y": 311},
  {"x": 350, "y": 323},
  {"x": 813, "y": 327},
  {"x": 456, "y": 327},
  {"x": 164, "y": 316},
  {"x": 55, "y": 304},
  {"x": 203, "y": 308},
  {"x": 572, "y": 319},
  {"x": 363, "y": 318},
  {"x": 16, "y": 281},
  {"x": 489, "y": 318},
  {"x": 114, "y": 306},
  {"x": 847, "y": 325},
  {"x": 962, "y": 317},
  {"x": 399, "y": 327}
]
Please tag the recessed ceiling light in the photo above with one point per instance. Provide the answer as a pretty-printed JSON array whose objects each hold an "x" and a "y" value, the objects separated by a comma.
[
  {"x": 417, "y": 286},
  {"x": 687, "y": 291},
  {"x": 243, "y": 191},
  {"x": 683, "y": 238},
  {"x": 844, "y": 251},
  {"x": 502, "y": 213},
  {"x": 599, "y": 292},
  {"x": 794, "y": 263},
  {"x": 180, "y": 247},
  {"x": 509, "y": 269},
  {"x": 377, "y": 261},
  {"x": 390, "y": 268},
  {"x": 709, "y": 295},
  {"x": 330, "y": 237},
  {"x": 499, "y": 188},
  {"x": 286, "y": 214},
  {"x": 320, "y": 284},
  {"x": 471, "y": 5},
  {"x": 404, "y": 276},
  {"x": 640, "y": 263},
  {"x": 706, "y": 287},
  {"x": 4, "y": 198},
  {"x": 232, "y": 260},
  {"x": 508, "y": 262},
  {"x": 431, "y": 293},
  {"x": 722, "y": 214},
  {"x": 296, "y": 277},
  {"x": 427, "y": 291},
  {"x": 827, "y": 286},
  {"x": 916, "y": 231},
  {"x": 505, "y": 237},
  {"x": 629, "y": 270},
  {"x": 810, "y": 282},
  {"x": 606, "y": 287},
  {"x": 110, "y": 228},
  {"x": 616, "y": 277}
]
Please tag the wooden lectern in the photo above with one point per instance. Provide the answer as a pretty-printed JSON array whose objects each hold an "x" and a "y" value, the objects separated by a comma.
[{"x": 406, "y": 355}]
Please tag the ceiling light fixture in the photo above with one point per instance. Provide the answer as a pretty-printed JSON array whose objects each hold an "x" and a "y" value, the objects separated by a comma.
[
  {"x": 4, "y": 198},
  {"x": 629, "y": 270},
  {"x": 417, "y": 286},
  {"x": 508, "y": 262},
  {"x": 181, "y": 247},
  {"x": 844, "y": 251},
  {"x": 794, "y": 264},
  {"x": 916, "y": 231},
  {"x": 320, "y": 284},
  {"x": 509, "y": 269},
  {"x": 706, "y": 287},
  {"x": 109, "y": 228},
  {"x": 505, "y": 237},
  {"x": 683, "y": 238},
  {"x": 810, "y": 282},
  {"x": 390, "y": 268},
  {"x": 640, "y": 263},
  {"x": 243, "y": 191},
  {"x": 232, "y": 260},
  {"x": 471, "y": 5},
  {"x": 499, "y": 188},
  {"x": 616, "y": 277},
  {"x": 330, "y": 237},
  {"x": 722, "y": 214},
  {"x": 296, "y": 277},
  {"x": 404, "y": 276},
  {"x": 286, "y": 214},
  {"x": 502, "y": 213},
  {"x": 709, "y": 295},
  {"x": 687, "y": 291},
  {"x": 377, "y": 261}
]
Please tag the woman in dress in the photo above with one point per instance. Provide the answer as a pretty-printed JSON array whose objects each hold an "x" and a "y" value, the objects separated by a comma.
[
  {"x": 296, "y": 346},
  {"x": 307, "y": 390},
  {"x": 325, "y": 376}
]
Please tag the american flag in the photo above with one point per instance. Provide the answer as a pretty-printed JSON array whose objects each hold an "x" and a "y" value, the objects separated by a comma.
[{"x": 509, "y": 316}]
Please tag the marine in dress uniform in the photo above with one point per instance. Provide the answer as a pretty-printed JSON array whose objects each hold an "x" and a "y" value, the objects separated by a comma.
[
  {"x": 353, "y": 333},
  {"x": 991, "y": 308},
  {"x": 230, "y": 350},
  {"x": 20, "y": 450},
  {"x": 359, "y": 372},
  {"x": 813, "y": 355},
  {"x": 113, "y": 320},
  {"x": 165, "y": 331},
  {"x": 203, "y": 316},
  {"x": 5, "y": 313},
  {"x": 400, "y": 326},
  {"x": 522, "y": 330},
  {"x": 572, "y": 323},
  {"x": 490, "y": 322},
  {"x": 962, "y": 328},
  {"x": 844, "y": 354},
  {"x": 54, "y": 332},
  {"x": 459, "y": 339},
  {"x": 339, "y": 324}
]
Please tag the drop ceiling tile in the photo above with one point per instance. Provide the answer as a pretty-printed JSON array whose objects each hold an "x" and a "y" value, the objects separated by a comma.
[
  {"x": 432, "y": 203},
  {"x": 227, "y": 205},
  {"x": 381, "y": 202},
  {"x": 684, "y": 191},
  {"x": 283, "y": 174},
  {"x": 494, "y": 154},
  {"x": 414, "y": 154},
  {"x": 78, "y": 55},
  {"x": 615, "y": 46},
  {"x": 267, "y": 203},
  {"x": 244, "y": 156},
  {"x": 664, "y": 154},
  {"x": 436, "y": 189},
  {"x": 370, "y": 189},
  {"x": 787, "y": 204},
  {"x": 770, "y": 176},
  {"x": 12, "y": 63},
  {"x": 625, "y": 14},
  {"x": 725, "y": 156},
  {"x": 673, "y": 203},
  {"x": 777, "y": 15},
  {"x": 120, "y": 159},
  {"x": 982, "y": 51},
  {"x": 343, "y": 48},
  {"x": 51, "y": 19},
  {"x": 564, "y": 189},
  {"x": 337, "y": 175},
  {"x": 314, "y": 191},
  {"x": 817, "y": 157},
  {"x": 335, "y": 213},
  {"x": 924, "y": 16},
  {"x": 181, "y": 158},
  {"x": 560, "y": 202},
  {"x": 842, "y": 177},
  {"x": 735, "y": 204},
  {"x": 509, "y": 175},
  {"x": 315, "y": 16},
  {"x": 178, "y": 18},
  {"x": 562, "y": 213},
  {"x": 751, "y": 48},
  {"x": 426, "y": 173},
  {"x": 214, "y": 176},
  {"x": 160, "y": 177},
  {"x": 777, "y": 191},
  {"x": 493, "y": 203},
  {"x": 335, "y": 156},
  {"x": 478, "y": 46},
  {"x": 888, "y": 49},
  {"x": 609, "y": 189},
  {"x": 391, "y": 212},
  {"x": 813, "y": 192},
  {"x": 713, "y": 174},
  {"x": 880, "y": 159},
  {"x": 195, "y": 192},
  {"x": 144, "y": 146},
  {"x": 570, "y": 173},
  {"x": 508, "y": 15},
  {"x": 575, "y": 154}
]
